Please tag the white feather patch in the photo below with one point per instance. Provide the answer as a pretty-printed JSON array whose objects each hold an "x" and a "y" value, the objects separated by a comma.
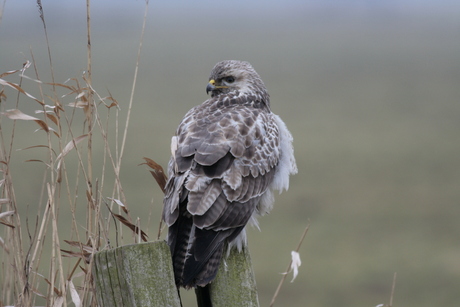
[
  {"x": 173, "y": 151},
  {"x": 287, "y": 165},
  {"x": 295, "y": 264},
  {"x": 240, "y": 241}
]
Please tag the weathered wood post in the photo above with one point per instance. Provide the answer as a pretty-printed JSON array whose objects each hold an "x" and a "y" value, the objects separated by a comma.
[
  {"x": 137, "y": 275},
  {"x": 235, "y": 281},
  {"x": 141, "y": 275}
]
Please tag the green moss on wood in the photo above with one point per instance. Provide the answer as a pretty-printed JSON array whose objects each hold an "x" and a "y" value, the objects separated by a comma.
[
  {"x": 137, "y": 275},
  {"x": 235, "y": 281},
  {"x": 141, "y": 275}
]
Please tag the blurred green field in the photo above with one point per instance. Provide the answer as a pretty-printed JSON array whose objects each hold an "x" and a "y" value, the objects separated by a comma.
[{"x": 370, "y": 93}]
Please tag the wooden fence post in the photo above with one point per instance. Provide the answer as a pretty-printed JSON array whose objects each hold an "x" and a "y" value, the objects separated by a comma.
[
  {"x": 141, "y": 275},
  {"x": 137, "y": 275},
  {"x": 235, "y": 283}
]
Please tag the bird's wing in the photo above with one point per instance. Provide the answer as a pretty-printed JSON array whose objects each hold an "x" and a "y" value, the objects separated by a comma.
[{"x": 224, "y": 160}]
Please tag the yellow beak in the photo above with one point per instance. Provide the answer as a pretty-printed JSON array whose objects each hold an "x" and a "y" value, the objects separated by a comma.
[{"x": 212, "y": 86}]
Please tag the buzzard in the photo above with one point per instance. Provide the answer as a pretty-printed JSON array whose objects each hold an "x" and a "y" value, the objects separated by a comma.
[{"x": 228, "y": 154}]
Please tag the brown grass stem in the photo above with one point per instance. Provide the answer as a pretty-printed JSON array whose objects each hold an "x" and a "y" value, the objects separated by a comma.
[
  {"x": 2, "y": 10},
  {"x": 392, "y": 289},
  {"x": 131, "y": 98},
  {"x": 272, "y": 303}
]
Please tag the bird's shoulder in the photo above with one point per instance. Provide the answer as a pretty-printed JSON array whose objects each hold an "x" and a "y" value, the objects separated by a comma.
[{"x": 241, "y": 125}]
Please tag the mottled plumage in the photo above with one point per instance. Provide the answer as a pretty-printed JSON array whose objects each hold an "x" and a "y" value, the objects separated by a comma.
[{"x": 228, "y": 154}]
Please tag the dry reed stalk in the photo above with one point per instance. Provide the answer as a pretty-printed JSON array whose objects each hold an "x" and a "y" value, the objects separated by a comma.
[
  {"x": 272, "y": 303},
  {"x": 2, "y": 10},
  {"x": 392, "y": 290},
  {"x": 131, "y": 98}
]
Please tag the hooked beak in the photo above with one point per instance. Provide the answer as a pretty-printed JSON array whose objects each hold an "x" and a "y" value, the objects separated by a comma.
[{"x": 212, "y": 86}]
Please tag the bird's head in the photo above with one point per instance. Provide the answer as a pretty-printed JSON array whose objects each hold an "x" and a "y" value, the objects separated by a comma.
[{"x": 231, "y": 76}]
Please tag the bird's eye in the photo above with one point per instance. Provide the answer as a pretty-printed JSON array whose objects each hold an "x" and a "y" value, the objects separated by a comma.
[{"x": 229, "y": 79}]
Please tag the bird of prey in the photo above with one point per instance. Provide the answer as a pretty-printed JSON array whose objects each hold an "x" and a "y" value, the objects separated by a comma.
[{"x": 228, "y": 154}]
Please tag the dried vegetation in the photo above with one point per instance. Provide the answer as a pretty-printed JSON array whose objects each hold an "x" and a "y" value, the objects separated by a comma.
[{"x": 68, "y": 116}]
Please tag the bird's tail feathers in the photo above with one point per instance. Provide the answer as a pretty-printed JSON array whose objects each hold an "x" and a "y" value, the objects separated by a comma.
[{"x": 203, "y": 260}]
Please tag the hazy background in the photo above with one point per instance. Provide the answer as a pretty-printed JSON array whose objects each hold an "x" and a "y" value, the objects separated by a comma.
[{"x": 369, "y": 89}]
